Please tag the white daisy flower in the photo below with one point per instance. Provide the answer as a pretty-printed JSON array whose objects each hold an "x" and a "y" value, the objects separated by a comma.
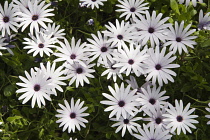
[
  {"x": 119, "y": 34},
  {"x": 35, "y": 15},
  {"x": 93, "y": 3},
  {"x": 204, "y": 21},
  {"x": 179, "y": 118},
  {"x": 76, "y": 52},
  {"x": 150, "y": 133},
  {"x": 157, "y": 66},
  {"x": 55, "y": 75},
  {"x": 131, "y": 8},
  {"x": 99, "y": 48},
  {"x": 39, "y": 44},
  {"x": 18, "y": 4},
  {"x": 152, "y": 28},
  {"x": 127, "y": 123},
  {"x": 112, "y": 71},
  {"x": 121, "y": 102},
  {"x": 36, "y": 86},
  {"x": 208, "y": 116},
  {"x": 71, "y": 116},
  {"x": 151, "y": 97},
  {"x": 8, "y": 19},
  {"x": 131, "y": 60},
  {"x": 179, "y": 37},
  {"x": 79, "y": 73},
  {"x": 187, "y": 2},
  {"x": 2, "y": 44}
]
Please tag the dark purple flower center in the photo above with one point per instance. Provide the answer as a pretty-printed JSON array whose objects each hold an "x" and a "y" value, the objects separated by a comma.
[
  {"x": 152, "y": 101},
  {"x": 178, "y": 39},
  {"x": 151, "y": 30},
  {"x": 126, "y": 121},
  {"x": 79, "y": 70},
  {"x": 133, "y": 9},
  {"x": 158, "y": 120},
  {"x": 121, "y": 103},
  {"x": 113, "y": 67},
  {"x": 41, "y": 45},
  {"x": 37, "y": 87},
  {"x": 104, "y": 49},
  {"x": 35, "y": 17},
  {"x": 179, "y": 118},
  {"x": 130, "y": 61},
  {"x": 119, "y": 37},
  {"x": 73, "y": 56},
  {"x": 72, "y": 115},
  {"x": 6, "y": 19},
  {"x": 158, "y": 67},
  {"x": 93, "y": 0},
  {"x": 49, "y": 78}
]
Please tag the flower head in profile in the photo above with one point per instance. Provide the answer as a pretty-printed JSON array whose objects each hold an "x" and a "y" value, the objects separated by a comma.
[
  {"x": 179, "y": 37},
  {"x": 208, "y": 116},
  {"x": 187, "y": 2},
  {"x": 2, "y": 44},
  {"x": 180, "y": 118},
  {"x": 121, "y": 102},
  {"x": 204, "y": 21},
  {"x": 71, "y": 115},
  {"x": 131, "y": 8},
  {"x": 35, "y": 86},
  {"x": 93, "y": 3}
]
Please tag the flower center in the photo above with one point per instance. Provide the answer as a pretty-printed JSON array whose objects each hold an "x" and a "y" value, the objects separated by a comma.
[
  {"x": 104, "y": 49},
  {"x": 79, "y": 70},
  {"x": 93, "y": 0},
  {"x": 37, "y": 87},
  {"x": 113, "y": 67},
  {"x": 130, "y": 61},
  {"x": 6, "y": 19},
  {"x": 179, "y": 118},
  {"x": 158, "y": 67},
  {"x": 73, "y": 56},
  {"x": 119, "y": 37},
  {"x": 151, "y": 30},
  {"x": 49, "y": 78},
  {"x": 41, "y": 45},
  {"x": 133, "y": 9},
  {"x": 152, "y": 101},
  {"x": 72, "y": 115},
  {"x": 126, "y": 121},
  {"x": 178, "y": 39},
  {"x": 158, "y": 120},
  {"x": 35, "y": 17},
  {"x": 121, "y": 103}
]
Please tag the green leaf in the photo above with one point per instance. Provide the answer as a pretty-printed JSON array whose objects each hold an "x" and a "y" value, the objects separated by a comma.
[
  {"x": 206, "y": 43},
  {"x": 174, "y": 6},
  {"x": 9, "y": 90},
  {"x": 11, "y": 119}
]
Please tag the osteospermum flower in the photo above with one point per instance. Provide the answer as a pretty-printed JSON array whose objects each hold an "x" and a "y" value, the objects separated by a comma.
[
  {"x": 71, "y": 115},
  {"x": 36, "y": 86},
  {"x": 158, "y": 66},
  {"x": 152, "y": 28},
  {"x": 74, "y": 52},
  {"x": 150, "y": 133},
  {"x": 126, "y": 123},
  {"x": 204, "y": 21},
  {"x": 79, "y": 73},
  {"x": 187, "y": 2},
  {"x": 2, "y": 44},
  {"x": 121, "y": 102},
  {"x": 131, "y": 60},
  {"x": 8, "y": 19},
  {"x": 131, "y": 8},
  {"x": 151, "y": 97},
  {"x": 35, "y": 15},
  {"x": 93, "y": 3},
  {"x": 179, "y": 118},
  {"x": 39, "y": 44},
  {"x": 208, "y": 116},
  {"x": 179, "y": 37}
]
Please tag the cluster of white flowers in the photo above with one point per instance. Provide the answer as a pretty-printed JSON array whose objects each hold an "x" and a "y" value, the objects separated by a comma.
[{"x": 143, "y": 44}]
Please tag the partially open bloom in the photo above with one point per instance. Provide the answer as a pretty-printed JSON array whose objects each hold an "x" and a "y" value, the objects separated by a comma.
[
  {"x": 93, "y": 3},
  {"x": 208, "y": 116},
  {"x": 187, "y": 2}
]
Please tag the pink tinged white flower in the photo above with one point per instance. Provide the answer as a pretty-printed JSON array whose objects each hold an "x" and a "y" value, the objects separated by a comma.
[
  {"x": 8, "y": 19},
  {"x": 131, "y": 60},
  {"x": 119, "y": 34},
  {"x": 93, "y": 3},
  {"x": 35, "y": 15},
  {"x": 128, "y": 123},
  {"x": 204, "y": 21},
  {"x": 71, "y": 115},
  {"x": 179, "y": 118},
  {"x": 187, "y": 2},
  {"x": 158, "y": 66},
  {"x": 150, "y": 133},
  {"x": 79, "y": 73},
  {"x": 35, "y": 86},
  {"x": 179, "y": 37},
  {"x": 74, "y": 52},
  {"x": 55, "y": 75},
  {"x": 121, "y": 102},
  {"x": 152, "y": 28},
  {"x": 112, "y": 71},
  {"x": 208, "y": 116},
  {"x": 100, "y": 48},
  {"x": 151, "y": 97},
  {"x": 131, "y": 8},
  {"x": 39, "y": 44}
]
